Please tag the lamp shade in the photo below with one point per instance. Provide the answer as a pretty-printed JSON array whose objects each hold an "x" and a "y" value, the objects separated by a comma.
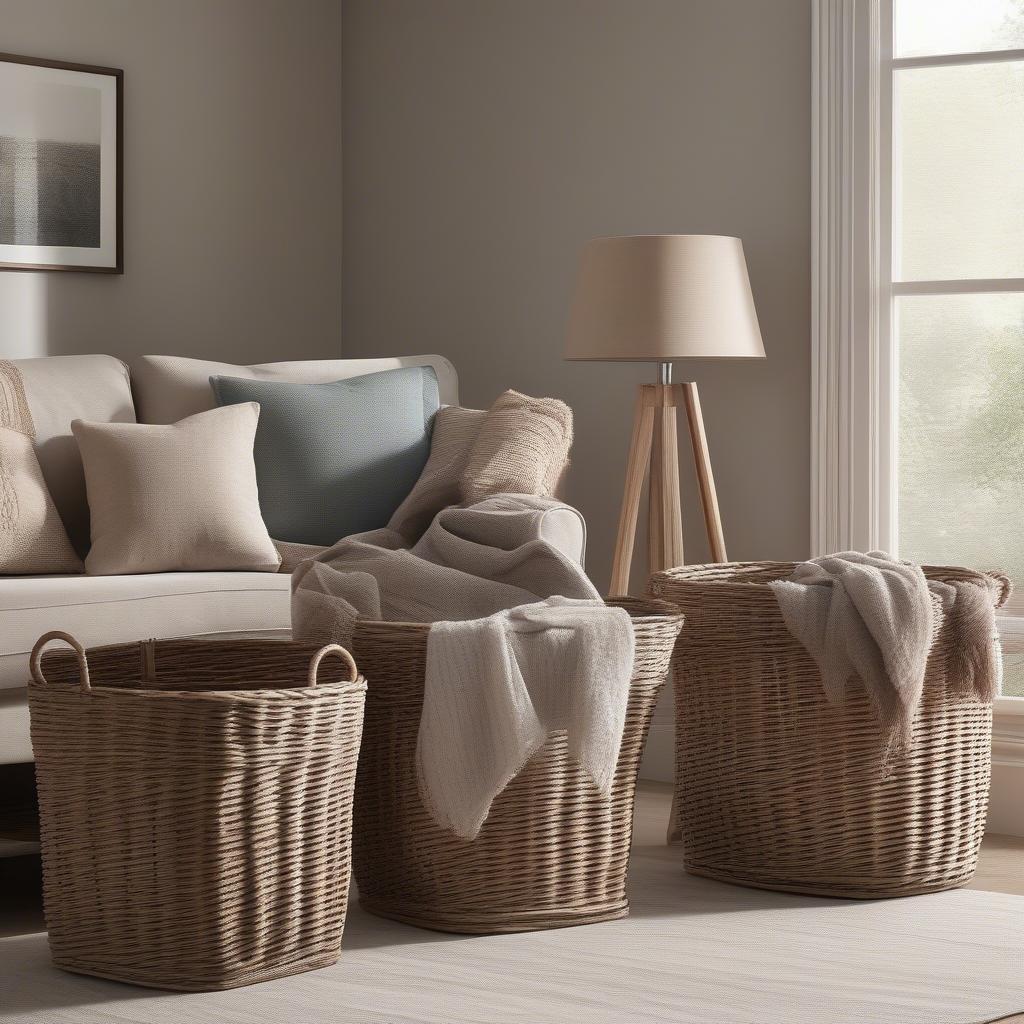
[{"x": 662, "y": 297}]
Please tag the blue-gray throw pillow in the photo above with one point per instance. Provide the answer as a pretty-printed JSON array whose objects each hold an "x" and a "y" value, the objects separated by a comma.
[{"x": 339, "y": 458}]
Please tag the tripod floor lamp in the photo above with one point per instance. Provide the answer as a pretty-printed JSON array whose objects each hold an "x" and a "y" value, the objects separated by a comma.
[{"x": 660, "y": 298}]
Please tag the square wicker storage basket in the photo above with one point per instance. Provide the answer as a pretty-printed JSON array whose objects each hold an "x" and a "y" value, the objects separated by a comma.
[
  {"x": 552, "y": 853},
  {"x": 195, "y": 803},
  {"x": 780, "y": 789}
]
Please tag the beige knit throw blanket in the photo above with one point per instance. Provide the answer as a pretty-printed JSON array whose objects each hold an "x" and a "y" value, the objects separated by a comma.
[
  {"x": 870, "y": 616},
  {"x": 521, "y": 447},
  {"x": 470, "y": 563},
  {"x": 500, "y": 676}
]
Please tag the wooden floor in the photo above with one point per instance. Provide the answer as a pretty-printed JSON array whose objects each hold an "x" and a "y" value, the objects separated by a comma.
[{"x": 1001, "y": 866}]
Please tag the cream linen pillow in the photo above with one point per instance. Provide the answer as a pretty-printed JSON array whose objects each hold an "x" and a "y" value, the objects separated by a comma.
[
  {"x": 32, "y": 536},
  {"x": 175, "y": 497}
]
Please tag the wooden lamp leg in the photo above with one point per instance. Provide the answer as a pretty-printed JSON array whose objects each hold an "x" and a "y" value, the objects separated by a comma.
[
  {"x": 705, "y": 478},
  {"x": 655, "y": 487},
  {"x": 665, "y": 520},
  {"x": 636, "y": 470},
  {"x": 655, "y": 445}
]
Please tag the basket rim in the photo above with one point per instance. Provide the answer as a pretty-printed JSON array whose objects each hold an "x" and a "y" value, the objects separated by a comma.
[
  {"x": 689, "y": 576},
  {"x": 659, "y": 609},
  {"x": 252, "y": 695},
  {"x": 164, "y": 685}
]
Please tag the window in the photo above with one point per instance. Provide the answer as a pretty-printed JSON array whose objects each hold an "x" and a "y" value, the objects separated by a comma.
[
  {"x": 918, "y": 404},
  {"x": 955, "y": 176}
]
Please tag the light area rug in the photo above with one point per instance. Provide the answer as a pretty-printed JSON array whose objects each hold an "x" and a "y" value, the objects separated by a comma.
[{"x": 693, "y": 951}]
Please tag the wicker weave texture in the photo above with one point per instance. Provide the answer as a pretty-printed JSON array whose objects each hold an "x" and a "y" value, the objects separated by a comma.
[
  {"x": 552, "y": 852},
  {"x": 779, "y": 789},
  {"x": 195, "y": 805}
]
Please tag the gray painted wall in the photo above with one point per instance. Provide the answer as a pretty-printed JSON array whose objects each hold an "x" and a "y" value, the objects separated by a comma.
[
  {"x": 232, "y": 181},
  {"x": 486, "y": 140}
]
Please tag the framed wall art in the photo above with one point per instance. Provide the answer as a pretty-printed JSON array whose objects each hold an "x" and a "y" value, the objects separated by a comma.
[{"x": 60, "y": 166}]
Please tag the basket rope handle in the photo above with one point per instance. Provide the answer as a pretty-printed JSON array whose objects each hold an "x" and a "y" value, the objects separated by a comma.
[
  {"x": 1005, "y": 586},
  {"x": 338, "y": 652},
  {"x": 35, "y": 661}
]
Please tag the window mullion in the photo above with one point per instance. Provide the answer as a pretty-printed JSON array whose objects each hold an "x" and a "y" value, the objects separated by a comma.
[
  {"x": 948, "y": 60},
  {"x": 966, "y": 286}
]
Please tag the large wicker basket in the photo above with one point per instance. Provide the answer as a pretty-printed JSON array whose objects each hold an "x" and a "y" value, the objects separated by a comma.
[
  {"x": 552, "y": 852},
  {"x": 195, "y": 803},
  {"x": 779, "y": 789}
]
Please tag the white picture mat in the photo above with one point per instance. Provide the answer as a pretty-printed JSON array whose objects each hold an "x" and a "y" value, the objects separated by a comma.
[{"x": 26, "y": 75}]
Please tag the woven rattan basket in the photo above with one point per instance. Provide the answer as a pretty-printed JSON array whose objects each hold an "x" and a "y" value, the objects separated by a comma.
[
  {"x": 552, "y": 852},
  {"x": 779, "y": 789},
  {"x": 195, "y": 803}
]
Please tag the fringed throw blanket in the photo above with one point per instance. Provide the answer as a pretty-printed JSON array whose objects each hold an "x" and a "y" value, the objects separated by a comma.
[
  {"x": 522, "y": 645},
  {"x": 870, "y": 616},
  {"x": 14, "y": 410},
  {"x": 15, "y": 414}
]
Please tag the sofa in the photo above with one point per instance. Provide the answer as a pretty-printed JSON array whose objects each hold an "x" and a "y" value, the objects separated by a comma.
[{"x": 118, "y": 609}]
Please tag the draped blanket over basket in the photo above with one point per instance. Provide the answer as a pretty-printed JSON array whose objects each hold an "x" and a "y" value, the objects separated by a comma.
[
  {"x": 553, "y": 851},
  {"x": 778, "y": 788},
  {"x": 195, "y": 806}
]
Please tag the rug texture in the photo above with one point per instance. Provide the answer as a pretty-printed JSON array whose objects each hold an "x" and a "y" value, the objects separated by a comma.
[{"x": 694, "y": 951}]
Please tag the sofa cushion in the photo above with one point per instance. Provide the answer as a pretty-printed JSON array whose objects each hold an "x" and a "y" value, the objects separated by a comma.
[
  {"x": 60, "y": 389},
  {"x": 336, "y": 459},
  {"x": 167, "y": 497},
  {"x": 168, "y": 388},
  {"x": 118, "y": 609}
]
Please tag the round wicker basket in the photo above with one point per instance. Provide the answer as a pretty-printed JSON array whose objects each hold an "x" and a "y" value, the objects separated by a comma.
[
  {"x": 196, "y": 805},
  {"x": 779, "y": 789},
  {"x": 552, "y": 852}
]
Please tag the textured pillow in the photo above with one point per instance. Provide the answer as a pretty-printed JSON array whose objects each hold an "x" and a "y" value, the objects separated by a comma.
[
  {"x": 522, "y": 448},
  {"x": 337, "y": 459},
  {"x": 59, "y": 389},
  {"x": 175, "y": 497},
  {"x": 32, "y": 536},
  {"x": 440, "y": 483}
]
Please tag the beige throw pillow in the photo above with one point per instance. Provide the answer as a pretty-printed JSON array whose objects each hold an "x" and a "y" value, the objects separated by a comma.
[
  {"x": 440, "y": 483},
  {"x": 522, "y": 448},
  {"x": 175, "y": 497},
  {"x": 32, "y": 536}
]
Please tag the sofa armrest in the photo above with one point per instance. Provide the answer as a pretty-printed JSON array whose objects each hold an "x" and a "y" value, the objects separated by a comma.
[
  {"x": 564, "y": 528},
  {"x": 561, "y": 525}
]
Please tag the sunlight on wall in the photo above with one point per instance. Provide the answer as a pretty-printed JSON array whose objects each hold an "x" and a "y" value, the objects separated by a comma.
[{"x": 23, "y": 316}]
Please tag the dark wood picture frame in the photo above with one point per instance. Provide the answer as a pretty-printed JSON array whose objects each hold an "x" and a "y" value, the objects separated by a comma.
[{"x": 118, "y": 75}]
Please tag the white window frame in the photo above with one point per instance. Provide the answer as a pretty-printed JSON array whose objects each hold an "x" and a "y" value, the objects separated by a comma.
[{"x": 853, "y": 377}]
